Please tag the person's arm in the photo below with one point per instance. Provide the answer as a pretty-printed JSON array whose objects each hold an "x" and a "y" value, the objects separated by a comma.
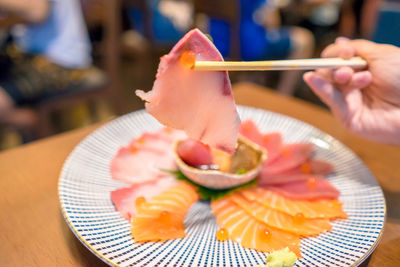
[{"x": 31, "y": 11}]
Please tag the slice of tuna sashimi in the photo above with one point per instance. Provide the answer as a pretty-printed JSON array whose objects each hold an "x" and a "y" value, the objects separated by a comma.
[
  {"x": 272, "y": 142},
  {"x": 301, "y": 172},
  {"x": 199, "y": 102},
  {"x": 297, "y": 224},
  {"x": 162, "y": 217},
  {"x": 124, "y": 199},
  {"x": 249, "y": 232},
  {"x": 292, "y": 155},
  {"x": 143, "y": 158},
  {"x": 310, "y": 189},
  {"x": 195, "y": 153},
  {"x": 324, "y": 208}
]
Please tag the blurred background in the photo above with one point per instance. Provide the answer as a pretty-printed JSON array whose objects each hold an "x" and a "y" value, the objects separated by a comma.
[{"x": 65, "y": 64}]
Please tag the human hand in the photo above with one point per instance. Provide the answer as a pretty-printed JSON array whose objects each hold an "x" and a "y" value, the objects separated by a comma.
[{"x": 367, "y": 102}]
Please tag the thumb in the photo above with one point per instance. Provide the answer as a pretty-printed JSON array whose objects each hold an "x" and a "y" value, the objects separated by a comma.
[{"x": 328, "y": 94}]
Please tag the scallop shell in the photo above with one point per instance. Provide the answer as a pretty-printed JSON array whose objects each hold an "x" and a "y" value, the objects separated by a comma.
[{"x": 221, "y": 180}]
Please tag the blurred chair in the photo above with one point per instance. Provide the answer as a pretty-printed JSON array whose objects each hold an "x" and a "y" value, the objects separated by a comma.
[
  {"x": 388, "y": 24},
  {"x": 99, "y": 83},
  {"x": 228, "y": 11}
]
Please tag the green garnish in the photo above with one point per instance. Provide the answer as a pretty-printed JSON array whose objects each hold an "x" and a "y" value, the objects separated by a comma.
[
  {"x": 241, "y": 171},
  {"x": 207, "y": 193}
]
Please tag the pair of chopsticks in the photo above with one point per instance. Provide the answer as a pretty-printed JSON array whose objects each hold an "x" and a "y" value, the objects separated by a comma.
[{"x": 294, "y": 64}]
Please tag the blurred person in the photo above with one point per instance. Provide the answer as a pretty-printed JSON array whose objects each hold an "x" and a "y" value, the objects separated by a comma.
[
  {"x": 50, "y": 53},
  {"x": 359, "y": 18},
  {"x": 367, "y": 102},
  {"x": 169, "y": 20},
  {"x": 262, "y": 37}
]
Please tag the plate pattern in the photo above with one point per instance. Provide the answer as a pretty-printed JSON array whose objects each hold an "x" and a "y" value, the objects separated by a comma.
[{"x": 85, "y": 184}]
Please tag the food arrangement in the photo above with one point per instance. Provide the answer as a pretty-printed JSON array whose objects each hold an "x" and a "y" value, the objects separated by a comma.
[
  {"x": 288, "y": 200},
  {"x": 268, "y": 215}
]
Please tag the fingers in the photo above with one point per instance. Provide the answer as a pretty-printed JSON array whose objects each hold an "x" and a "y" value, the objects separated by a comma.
[
  {"x": 328, "y": 94},
  {"x": 341, "y": 48},
  {"x": 345, "y": 79},
  {"x": 342, "y": 76},
  {"x": 360, "y": 80}
]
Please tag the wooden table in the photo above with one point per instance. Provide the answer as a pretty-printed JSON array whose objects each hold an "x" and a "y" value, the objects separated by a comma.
[{"x": 33, "y": 231}]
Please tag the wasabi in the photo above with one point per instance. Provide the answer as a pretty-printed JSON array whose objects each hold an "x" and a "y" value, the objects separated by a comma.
[{"x": 280, "y": 258}]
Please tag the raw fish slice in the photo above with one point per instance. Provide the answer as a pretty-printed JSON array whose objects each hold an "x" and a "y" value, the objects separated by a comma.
[
  {"x": 199, "y": 102},
  {"x": 124, "y": 198},
  {"x": 272, "y": 142},
  {"x": 319, "y": 189},
  {"x": 143, "y": 158},
  {"x": 280, "y": 220},
  {"x": 292, "y": 155},
  {"x": 249, "y": 232},
  {"x": 161, "y": 218},
  {"x": 324, "y": 208},
  {"x": 195, "y": 153},
  {"x": 301, "y": 172},
  {"x": 250, "y": 130}
]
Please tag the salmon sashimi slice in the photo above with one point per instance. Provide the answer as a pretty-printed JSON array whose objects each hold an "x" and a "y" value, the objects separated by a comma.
[
  {"x": 199, "y": 102},
  {"x": 293, "y": 224},
  {"x": 142, "y": 160},
  {"x": 124, "y": 198},
  {"x": 162, "y": 217},
  {"x": 301, "y": 172},
  {"x": 249, "y": 232},
  {"x": 292, "y": 155},
  {"x": 311, "y": 189},
  {"x": 324, "y": 208},
  {"x": 272, "y": 142}
]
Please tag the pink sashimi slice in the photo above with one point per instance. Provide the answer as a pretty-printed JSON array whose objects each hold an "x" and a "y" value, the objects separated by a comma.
[
  {"x": 195, "y": 153},
  {"x": 272, "y": 142},
  {"x": 250, "y": 130},
  {"x": 199, "y": 102},
  {"x": 124, "y": 198},
  {"x": 301, "y": 172},
  {"x": 320, "y": 188},
  {"x": 292, "y": 155},
  {"x": 143, "y": 159}
]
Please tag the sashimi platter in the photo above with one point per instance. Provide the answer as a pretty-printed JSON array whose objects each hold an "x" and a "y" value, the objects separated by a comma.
[{"x": 195, "y": 180}]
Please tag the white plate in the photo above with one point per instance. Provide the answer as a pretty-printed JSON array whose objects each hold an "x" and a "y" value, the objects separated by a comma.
[{"x": 85, "y": 185}]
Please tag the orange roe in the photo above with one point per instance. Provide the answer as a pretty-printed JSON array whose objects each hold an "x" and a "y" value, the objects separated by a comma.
[
  {"x": 298, "y": 218},
  {"x": 311, "y": 182},
  {"x": 165, "y": 217},
  {"x": 134, "y": 149},
  {"x": 188, "y": 59},
  {"x": 222, "y": 234},
  {"x": 141, "y": 140},
  {"x": 286, "y": 152},
  {"x": 265, "y": 235},
  {"x": 139, "y": 201},
  {"x": 305, "y": 168},
  {"x": 168, "y": 130}
]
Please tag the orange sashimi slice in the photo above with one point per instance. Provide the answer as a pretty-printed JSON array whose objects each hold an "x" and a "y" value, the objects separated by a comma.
[
  {"x": 161, "y": 218},
  {"x": 250, "y": 233},
  {"x": 292, "y": 224},
  {"x": 311, "y": 209}
]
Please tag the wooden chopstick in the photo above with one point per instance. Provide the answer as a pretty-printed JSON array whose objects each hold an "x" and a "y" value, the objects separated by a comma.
[{"x": 292, "y": 64}]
